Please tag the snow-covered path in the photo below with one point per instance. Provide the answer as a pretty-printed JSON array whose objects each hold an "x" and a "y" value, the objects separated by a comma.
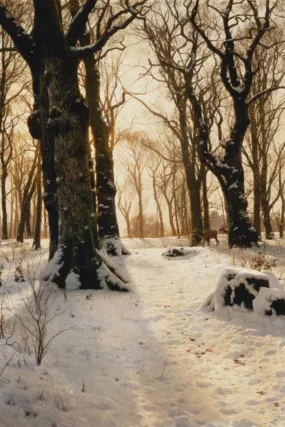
[{"x": 151, "y": 358}]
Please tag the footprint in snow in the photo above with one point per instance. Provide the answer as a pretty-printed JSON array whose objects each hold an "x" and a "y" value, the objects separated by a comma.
[
  {"x": 235, "y": 354},
  {"x": 182, "y": 421},
  {"x": 253, "y": 382},
  {"x": 229, "y": 411},
  {"x": 269, "y": 352},
  {"x": 243, "y": 423},
  {"x": 156, "y": 318},
  {"x": 202, "y": 384},
  {"x": 252, "y": 402},
  {"x": 223, "y": 390},
  {"x": 280, "y": 373}
]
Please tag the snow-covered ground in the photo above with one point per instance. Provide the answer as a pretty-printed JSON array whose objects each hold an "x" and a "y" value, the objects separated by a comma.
[{"x": 150, "y": 358}]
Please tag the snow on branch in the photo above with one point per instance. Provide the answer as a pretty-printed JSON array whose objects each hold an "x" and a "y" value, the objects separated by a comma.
[
  {"x": 79, "y": 21},
  {"x": 115, "y": 23},
  {"x": 22, "y": 41}
]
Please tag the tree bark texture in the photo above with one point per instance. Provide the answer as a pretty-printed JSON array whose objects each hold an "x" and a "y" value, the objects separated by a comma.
[{"x": 105, "y": 183}]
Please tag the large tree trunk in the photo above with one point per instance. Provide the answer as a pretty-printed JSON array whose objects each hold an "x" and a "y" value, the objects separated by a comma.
[
  {"x": 76, "y": 262},
  {"x": 206, "y": 217},
  {"x": 241, "y": 232},
  {"x": 105, "y": 182},
  {"x": 192, "y": 183},
  {"x": 229, "y": 170},
  {"x": 266, "y": 217}
]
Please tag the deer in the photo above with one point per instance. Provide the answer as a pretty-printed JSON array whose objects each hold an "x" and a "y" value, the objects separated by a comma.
[{"x": 208, "y": 235}]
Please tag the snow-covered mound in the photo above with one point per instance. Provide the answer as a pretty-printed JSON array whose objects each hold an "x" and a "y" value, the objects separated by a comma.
[
  {"x": 248, "y": 289},
  {"x": 176, "y": 252}
]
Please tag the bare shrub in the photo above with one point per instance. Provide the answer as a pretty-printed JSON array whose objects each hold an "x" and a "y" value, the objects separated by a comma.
[
  {"x": 256, "y": 261},
  {"x": 38, "y": 314}
]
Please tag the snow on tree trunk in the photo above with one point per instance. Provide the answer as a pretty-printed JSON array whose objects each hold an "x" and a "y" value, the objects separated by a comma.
[
  {"x": 241, "y": 233},
  {"x": 105, "y": 182},
  {"x": 76, "y": 256}
]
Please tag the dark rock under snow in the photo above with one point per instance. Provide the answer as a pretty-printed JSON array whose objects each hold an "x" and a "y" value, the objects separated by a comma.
[
  {"x": 248, "y": 289},
  {"x": 177, "y": 252}
]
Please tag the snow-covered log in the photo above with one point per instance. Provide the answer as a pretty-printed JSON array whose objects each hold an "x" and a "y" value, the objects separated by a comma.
[{"x": 249, "y": 289}]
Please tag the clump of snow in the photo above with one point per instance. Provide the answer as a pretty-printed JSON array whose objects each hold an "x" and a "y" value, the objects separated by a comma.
[
  {"x": 172, "y": 252},
  {"x": 108, "y": 280},
  {"x": 53, "y": 267},
  {"x": 270, "y": 301},
  {"x": 273, "y": 282},
  {"x": 111, "y": 265},
  {"x": 114, "y": 246},
  {"x": 72, "y": 281}
]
